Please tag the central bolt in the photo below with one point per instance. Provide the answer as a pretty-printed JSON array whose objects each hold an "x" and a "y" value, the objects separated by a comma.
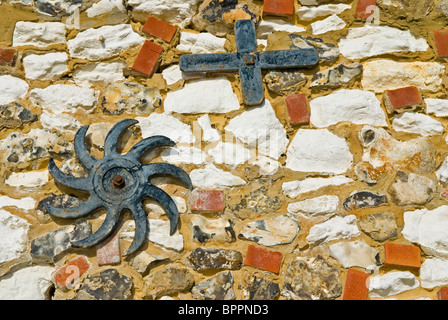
[{"x": 118, "y": 181}]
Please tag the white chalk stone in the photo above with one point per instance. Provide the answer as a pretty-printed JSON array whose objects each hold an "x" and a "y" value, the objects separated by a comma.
[
  {"x": 208, "y": 133},
  {"x": 26, "y": 203},
  {"x": 231, "y": 154},
  {"x": 182, "y": 154},
  {"x": 332, "y": 23},
  {"x": 60, "y": 122},
  {"x": 296, "y": 188},
  {"x": 103, "y": 72},
  {"x": 31, "y": 283},
  {"x": 434, "y": 273},
  {"x": 354, "y": 254},
  {"x": 104, "y": 42},
  {"x": 267, "y": 27},
  {"x": 356, "y": 106},
  {"x": 177, "y": 12},
  {"x": 160, "y": 234},
  {"x": 30, "y": 179},
  {"x": 14, "y": 237},
  {"x": 212, "y": 177},
  {"x": 259, "y": 127},
  {"x": 318, "y": 151},
  {"x": 334, "y": 229},
  {"x": 419, "y": 123},
  {"x": 166, "y": 125},
  {"x": 372, "y": 40},
  {"x": 382, "y": 74},
  {"x": 38, "y": 34},
  {"x": 45, "y": 66},
  {"x": 315, "y": 206},
  {"x": 201, "y": 43},
  {"x": 391, "y": 283},
  {"x": 173, "y": 74},
  {"x": 442, "y": 173},
  {"x": 268, "y": 166},
  {"x": 59, "y": 98},
  {"x": 437, "y": 107},
  {"x": 203, "y": 96},
  {"x": 12, "y": 89},
  {"x": 106, "y": 7},
  {"x": 428, "y": 229},
  {"x": 313, "y": 12}
]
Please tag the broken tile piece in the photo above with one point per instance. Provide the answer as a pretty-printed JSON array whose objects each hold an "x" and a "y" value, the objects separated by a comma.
[
  {"x": 399, "y": 100},
  {"x": 148, "y": 58},
  {"x": 402, "y": 255},
  {"x": 66, "y": 276},
  {"x": 159, "y": 28},
  {"x": 297, "y": 107},
  {"x": 108, "y": 252},
  {"x": 356, "y": 285},
  {"x": 441, "y": 42},
  {"x": 263, "y": 259},
  {"x": 283, "y": 8},
  {"x": 7, "y": 56},
  {"x": 207, "y": 200},
  {"x": 364, "y": 8}
]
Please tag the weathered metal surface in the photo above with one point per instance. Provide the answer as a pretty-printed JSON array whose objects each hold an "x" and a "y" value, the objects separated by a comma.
[
  {"x": 118, "y": 182},
  {"x": 248, "y": 61}
]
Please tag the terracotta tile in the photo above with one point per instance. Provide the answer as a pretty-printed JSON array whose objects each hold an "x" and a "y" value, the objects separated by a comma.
[
  {"x": 362, "y": 8},
  {"x": 402, "y": 99},
  {"x": 71, "y": 271},
  {"x": 297, "y": 107},
  {"x": 356, "y": 287},
  {"x": 402, "y": 255},
  {"x": 207, "y": 200},
  {"x": 441, "y": 42},
  {"x": 158, "y": 28},
  {"x": 444, "y": 194},
  {"x": 442, "y": 294},
  {"x": 108, "y": 252},
  {"x": 7, "y": 56},
  {"x": 263, "y": 259},
  {"x": 284, "y": 8},
  {"x": 148, "y": 58}
]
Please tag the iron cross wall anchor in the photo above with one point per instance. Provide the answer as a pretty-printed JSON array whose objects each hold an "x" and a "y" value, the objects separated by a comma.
[
  {"x": 249, "y": 62},
  {"x": 118, "y": 182}
]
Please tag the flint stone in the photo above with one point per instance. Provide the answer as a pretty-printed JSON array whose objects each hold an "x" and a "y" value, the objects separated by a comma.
[
  {"x": 409, "y": 189},
  {"x": 219, "y": 287},
  {"x": 168, "y": 281},
  {"x": 336, "y": 77},
  {"x": 204, "y": 230},
  {"x": 13, "y": 116},
  {"x": 285, "y": 82},
  {"x": 326, "y": 51},
  {"x": 260, "y": 288},
  {"x": 271, "y": 232},
  {"x": 312, "y": 279},
  {"x": 108, "y": 284},
  {"x": 380, "y": 226},
  {"x": 214, "y": 258},
  {"x": 130, "y": 97},
  {"x": 364, "y": 199}
]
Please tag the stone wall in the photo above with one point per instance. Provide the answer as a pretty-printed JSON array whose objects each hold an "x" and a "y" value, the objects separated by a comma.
[{"x": 333, "y": 188}]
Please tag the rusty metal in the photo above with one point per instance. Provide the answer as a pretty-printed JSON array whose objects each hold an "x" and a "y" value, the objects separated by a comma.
[
  {"x": 118, "y": 182},
  {"x": 249, "y": 62}
]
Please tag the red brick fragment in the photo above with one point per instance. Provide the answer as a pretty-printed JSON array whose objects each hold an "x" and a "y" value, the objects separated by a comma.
[
  {"x": 402, "y": 99},
  {"x": 108, "y": 252},
  {"x": 441, "y": 42},
  {"x": 283, "y": 8},
  {"x": 356, "y": 285},
  {"x": 444, "y": 194},
  {"x": 297, "y": 107},
  {"x": 148, "y": 58},
  {"x": 158, "y": 28},
  {"x": 263, "y": 259},
  {"x": 69, "y": 273},
  {"x": 402, "y": 255},
  {"x": 7, "y": 56},
  {"x": 442, "y": 294},
  {"x": 365, "y": 8},
  {"x": 207, "y": 200}
]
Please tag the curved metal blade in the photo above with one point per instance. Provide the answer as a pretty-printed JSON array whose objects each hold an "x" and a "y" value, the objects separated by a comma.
[
  {"x": 112, "y": 218},
  {"x": 71, "y": 182},
  {"x": 166, "y": 202},
  {"x": 141, "y": 227},
  {"x": 75, "y": 212},
  {"x": 146, "y": 144},
  {"x": 80, "y": 149},
  {"x": 110, "y": 144},
  {"x": 154, "y": 169}
]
